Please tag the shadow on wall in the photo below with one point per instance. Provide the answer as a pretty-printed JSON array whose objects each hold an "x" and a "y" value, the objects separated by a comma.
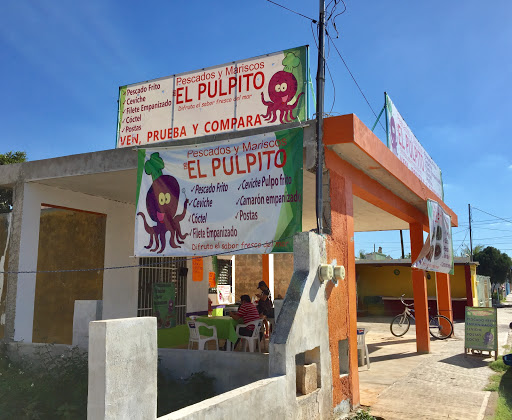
[{"x": 68, "y": 239}]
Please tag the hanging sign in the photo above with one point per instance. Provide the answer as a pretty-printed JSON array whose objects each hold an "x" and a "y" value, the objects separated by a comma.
[
  {"x": 260, "y": 91},
  {"x": 164, "y": 304},
  {"x": 481, "y": 331},
  {"x": 404, "y": 144},
  {"x": 197, "y": 269},
  {"x": 212, "y": 283},
  {"x": 242, "y": 195},
  {"x": 437, "y": 252}
]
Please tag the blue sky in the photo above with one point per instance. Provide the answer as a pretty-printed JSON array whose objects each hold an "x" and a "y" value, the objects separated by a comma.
[{"x": 446, "y": 65}]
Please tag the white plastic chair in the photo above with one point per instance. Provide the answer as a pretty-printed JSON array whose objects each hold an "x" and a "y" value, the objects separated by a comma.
[
  {"x": 201, "y": 340},
  {"x": 361, "y": 345},
  {"x": 254, "y": 339}
]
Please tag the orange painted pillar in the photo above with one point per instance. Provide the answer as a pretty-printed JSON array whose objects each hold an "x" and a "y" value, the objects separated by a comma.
[
  {"x": 419, "y": 288},
  {"x": 341, "y": 300},
  {"x": 444, "y": 297},
  {"x": 264, "y": 269}
]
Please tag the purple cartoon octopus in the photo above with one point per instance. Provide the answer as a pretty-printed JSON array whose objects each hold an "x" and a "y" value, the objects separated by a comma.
[
  {"x": 281, "y": 90},
  {"x": 161, "y": 204}
]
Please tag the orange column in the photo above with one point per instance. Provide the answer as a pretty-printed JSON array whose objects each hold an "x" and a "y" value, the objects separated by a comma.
[
  {"x": 341, "y": 300},
  {"x": 444, "y": 297},
  {"x": 264, "y": 269},
  {"x": 419, "y": 287}
]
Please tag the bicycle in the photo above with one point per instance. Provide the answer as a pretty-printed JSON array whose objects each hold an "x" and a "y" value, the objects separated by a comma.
[{"x": 401, "y": 323}]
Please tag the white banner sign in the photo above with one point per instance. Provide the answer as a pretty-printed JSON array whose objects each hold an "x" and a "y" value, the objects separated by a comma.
[
  {"x": 224, "y": 294},
  {"x": 242, "y": 195},
  {"x": 437, "y": 253},
  {"x": 404, "y": 144},
  {"x": 266, "y": 90}
]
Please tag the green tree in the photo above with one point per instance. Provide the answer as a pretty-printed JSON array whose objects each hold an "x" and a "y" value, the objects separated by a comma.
[
  {"x": 362, "y": 254},
  {"x": 466, "y": 251},
  {"x": 6, "y": 194},
  {"x": 493, "y": 263}
]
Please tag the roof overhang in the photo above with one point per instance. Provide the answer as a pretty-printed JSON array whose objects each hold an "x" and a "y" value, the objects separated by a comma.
[
  {"x": 112, "y": 174},
  {"x": 360, "y": 151}
]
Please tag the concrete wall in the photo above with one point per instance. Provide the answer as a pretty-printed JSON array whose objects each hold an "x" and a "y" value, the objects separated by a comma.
[
  {"x": 122, "y": 369},
  {"x": 248, "y": 273},
  {"x": 229, "y": 369},
  {"x": 85, "y": 312},
  {"x": 283, "y": 271},
  {"x": 260, "y": 400},
  {"x": 20, "y": 352},
  {"x": 119, "y": 286},
  {"x": 127, "y": 352},
  {"x": 374, "y": 280},
  {"x": 301, "y": 327}
]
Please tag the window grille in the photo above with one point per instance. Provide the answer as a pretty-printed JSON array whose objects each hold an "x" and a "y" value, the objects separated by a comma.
[
  {"x": 225, "y": 274},
  {"x": 162, "y": 270}
]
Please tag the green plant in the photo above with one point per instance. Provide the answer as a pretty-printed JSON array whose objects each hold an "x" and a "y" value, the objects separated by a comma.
[
  {"x": 504, "y": 407},
  {"x": 48, "y": 386},
  {"x": 176, "y": 394},
  {"x": 501, "y": 382},
  {"x": 364, "y": 415},
  {"x": 498, "y": 365}
]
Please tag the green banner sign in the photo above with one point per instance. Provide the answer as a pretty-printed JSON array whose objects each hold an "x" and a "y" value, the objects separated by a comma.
[
  {"x": 164, "y": 304},
  {"x": 481, "y": 331},
  {"x": 240, "y": 195}
]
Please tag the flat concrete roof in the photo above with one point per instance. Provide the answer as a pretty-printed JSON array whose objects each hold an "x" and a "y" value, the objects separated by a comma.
[
  {"x": 112, "y": 174},
  {"x": 357, "y": 145}
]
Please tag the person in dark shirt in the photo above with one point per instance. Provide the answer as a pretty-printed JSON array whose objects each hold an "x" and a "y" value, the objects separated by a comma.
[
  {"x": 263, "y": 287},
  {"x": 265, "y": 305},
  {"x": 265, "y": 309}
]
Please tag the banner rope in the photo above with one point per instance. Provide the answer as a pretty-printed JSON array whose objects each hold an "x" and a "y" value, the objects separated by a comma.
[{"x": 152, "y": 264}]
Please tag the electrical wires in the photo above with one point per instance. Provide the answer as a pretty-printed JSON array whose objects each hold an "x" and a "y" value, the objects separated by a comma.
[{"x": 293, "y": 11}]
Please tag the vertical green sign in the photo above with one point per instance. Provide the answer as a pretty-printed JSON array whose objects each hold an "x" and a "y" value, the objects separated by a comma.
[
  {"x": 164, "y": 304},
  {"x": 481, "y": 332}
]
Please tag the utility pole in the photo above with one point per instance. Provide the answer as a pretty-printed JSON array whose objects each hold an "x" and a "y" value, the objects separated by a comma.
[
  {"x": 470, "y": 237},
  {"x": 402, "y": 243},
  {"x": 320, "y": 86}
]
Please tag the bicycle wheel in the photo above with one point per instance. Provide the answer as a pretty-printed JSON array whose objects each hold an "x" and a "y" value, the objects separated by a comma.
[
  {"x": 435, "y": 327},
  {"x": 400, "y": 325}
]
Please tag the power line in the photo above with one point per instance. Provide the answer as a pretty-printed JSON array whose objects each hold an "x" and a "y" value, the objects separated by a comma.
[
  {"x": 494, "y": 222},
  {"x": 501, "y": 229},
  {"x": 497, "y": 217},
  {"x": 354, "y": 79},
  {"x": 293, "y": 11},
  {"x": 152, "y": 264},
  {"x": 332, "y": 12},
  {"x": 462, "y": 243},
  {"x": 328, "y": 70}
]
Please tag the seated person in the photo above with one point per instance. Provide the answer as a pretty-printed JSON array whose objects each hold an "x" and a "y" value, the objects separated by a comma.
[
  {"x": 248, "y": 313},
  {"x": 263, "y": 287},
  {"x": 265, "y": 309},
  {"x": 265, "y": 306}
]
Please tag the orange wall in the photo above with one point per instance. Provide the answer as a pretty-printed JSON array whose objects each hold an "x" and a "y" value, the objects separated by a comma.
[{"x": 341, "y": 303}]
